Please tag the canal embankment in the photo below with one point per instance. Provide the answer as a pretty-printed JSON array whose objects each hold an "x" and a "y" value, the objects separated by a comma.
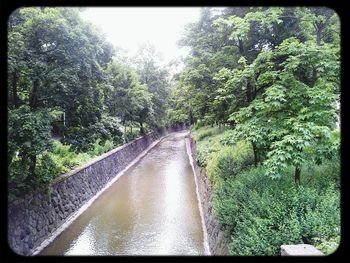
[
  {"x": 35, "y": 220},
  {"x": 151, "y": 210},
  {"x": 214, "y": 237}
]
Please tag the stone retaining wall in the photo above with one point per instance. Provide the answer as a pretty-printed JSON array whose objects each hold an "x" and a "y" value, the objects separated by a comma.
[
  {"x": 215, "y": 238},
  {"x": 38, "y": 216}
]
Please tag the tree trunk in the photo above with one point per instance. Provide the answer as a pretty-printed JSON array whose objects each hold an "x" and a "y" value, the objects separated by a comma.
[
  {"x": 254, "y": 93},
  {"x": 318, "y": 36},
  {"x": 240, "y": 46},
  {"x": 14, "y": 89},
  {"x": 255, "y": 150},
  {"x": 191, "y": 118},
  {"x": 33, "y": 103},
  {"x": 249, "y": 92},
  {"x": 314, "y": 77},
  {"x": 319, "y": 30},
  {"x": 297, "y": 174},
  {"x": 31, "y": 175},
  {"x": 142, "y": 131},
  {"x": 124, "y": 135},
  {"x": 248, "y": 95}
]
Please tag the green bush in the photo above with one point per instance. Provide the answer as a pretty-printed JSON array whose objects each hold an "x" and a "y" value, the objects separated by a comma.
[
  {"x": 203, "y": 134},
  {"x": 260, "y": 214},
  {"x": 229, "y": 161},
  {"x": 209, "y": 141},
  {"x": 64, "y": 158},
  {"x": 101, "y": 148},
  {"x": 206, "y": 131},
  {"x": 47, "y": 168},
  {"x": 327, "y": 247},
  {"x": 113, "y": 129},
  {"x": 205, "y": 150},
  {"x": 198, "y": 125}
]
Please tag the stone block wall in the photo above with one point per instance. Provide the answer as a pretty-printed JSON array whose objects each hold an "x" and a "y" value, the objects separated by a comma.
[{"x": 33, "y": 219}]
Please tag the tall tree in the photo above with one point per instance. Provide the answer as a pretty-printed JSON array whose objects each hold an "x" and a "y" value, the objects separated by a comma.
[
  {"x": 55, "y": 62},
  {"x": 296, "y": 114},
  {"x": 156, "y": 77},
  {"x": 125, "y": 97}
]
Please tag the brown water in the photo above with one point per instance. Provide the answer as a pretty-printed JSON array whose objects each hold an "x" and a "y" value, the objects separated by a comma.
[{"x": 151, "y": 210}]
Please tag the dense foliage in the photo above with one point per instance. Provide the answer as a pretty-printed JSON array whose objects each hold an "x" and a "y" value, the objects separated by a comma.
[
  {"x": 258, "y": 213},
  {"x": 271, "y": 77},
  {"x": 65, "y": 82},
  {"x": 261, "y": 214}
]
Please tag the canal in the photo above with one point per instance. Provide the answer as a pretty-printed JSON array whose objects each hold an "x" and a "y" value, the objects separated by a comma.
[{"x": 151, "y": 210}]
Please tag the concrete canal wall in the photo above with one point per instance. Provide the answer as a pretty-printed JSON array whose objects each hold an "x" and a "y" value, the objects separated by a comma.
[
  {"x": 39, "y": 217},
  {"x": 215, "y": 238}
]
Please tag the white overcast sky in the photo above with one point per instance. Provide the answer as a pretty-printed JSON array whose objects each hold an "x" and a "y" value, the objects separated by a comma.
[{"x": 128, "y": 27}]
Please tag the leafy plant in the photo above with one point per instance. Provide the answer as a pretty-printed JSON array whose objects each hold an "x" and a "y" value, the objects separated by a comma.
[
  {"x": 99, "y": 148},
  {"x": 260, "y": 214},
  {"x": 229, "y": 161}
]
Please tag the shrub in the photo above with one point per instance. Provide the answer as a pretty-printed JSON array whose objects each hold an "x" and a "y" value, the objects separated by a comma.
[
  {"x": 113, "y": 129},
  {"x": 260, "y": 214},
  {"x": 229, "y": 161},
  {"x": 65, "y": 159},
  {"x": 206, "y": 131},
  {"x": 47, "y": 168},
  {"x": 101, "y": 148},
  {"x": 198, "y": 125},
  {"x": 129, "y": 136},
  {"x": 226, "y": 138},
  {"x": 78, "y": 138},
  {"x": 327, "y": 247},
  {"x": 60, "y": 159},
  {"x": 203, "y": 134},
  {"x": 205, "y": 150},
  {"x": 64, "y": 156},
  {"x": 208, "y": 142}
]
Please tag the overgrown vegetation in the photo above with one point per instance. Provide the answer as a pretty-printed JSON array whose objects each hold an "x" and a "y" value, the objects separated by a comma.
[
  {"x": 60, "y": 159},
  {"x": 259, "y": 213},
  {"x": 271, "y": 75}
]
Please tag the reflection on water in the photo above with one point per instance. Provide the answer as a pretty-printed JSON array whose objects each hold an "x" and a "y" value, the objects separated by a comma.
[{"x": 151, "y": 210}]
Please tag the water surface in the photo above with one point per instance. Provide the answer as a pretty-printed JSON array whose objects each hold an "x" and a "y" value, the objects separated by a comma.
[{"x": 151, "y": 210}]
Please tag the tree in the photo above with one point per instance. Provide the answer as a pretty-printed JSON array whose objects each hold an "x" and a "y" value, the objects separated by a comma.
[
  {"x": 257, "y": 32},
  {"x": 279, "y": 57},
  {"x": 118, "y": 91},
  {"x": 152, "y": 74},
  {"x": 28, "y": 136},
  {"x": 142, "y": 106},
  {"x": 55, "y": 63},
  {"x": 211, "y": 50},
  {"x": 296, "y": 114},
  {"x": 125, "y": 97}
]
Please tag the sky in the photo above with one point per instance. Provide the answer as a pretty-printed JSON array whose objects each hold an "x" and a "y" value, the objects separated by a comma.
[{"x": 130, "y": 27}]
